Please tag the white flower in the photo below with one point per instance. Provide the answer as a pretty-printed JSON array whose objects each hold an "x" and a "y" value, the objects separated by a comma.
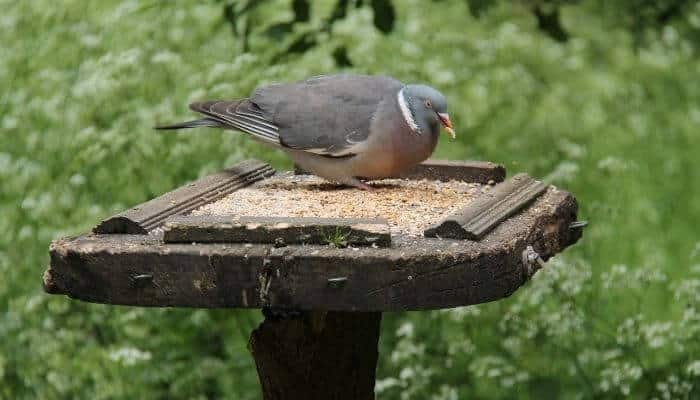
[
  {"x": 446, "y": 393},
  {"x": 407, "y": 373},
  {"x": 383, "y": 384},
  {"x": 696, "y": 250},
  {"x": 693, "y": 368},
  {"x": 565, "y": 171},
  {"x": 90, "y": 41},
  {"x": 656, "y": 334},
  {"x": 128, "y": 356},
  {"x": 406, "y": 329},
  {"x": 620, "y": 377},
  {"x": 77, "y": 180},
  {"x": 166, "y": 57}
]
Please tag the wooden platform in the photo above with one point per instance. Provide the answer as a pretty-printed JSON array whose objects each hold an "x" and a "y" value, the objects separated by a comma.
[{"x": 127, "y": 261}]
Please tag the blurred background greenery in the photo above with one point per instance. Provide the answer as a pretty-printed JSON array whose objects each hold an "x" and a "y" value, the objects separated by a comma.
[{"x": 601, "y": 98}]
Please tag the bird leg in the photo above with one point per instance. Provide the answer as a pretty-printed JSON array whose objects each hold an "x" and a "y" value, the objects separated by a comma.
[
  {"x": 365, "y": 186},
  {"x": 359, "y": 184}
]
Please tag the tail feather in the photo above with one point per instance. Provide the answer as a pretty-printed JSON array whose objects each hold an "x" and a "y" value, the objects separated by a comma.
[{"x": 197, "y": 123}]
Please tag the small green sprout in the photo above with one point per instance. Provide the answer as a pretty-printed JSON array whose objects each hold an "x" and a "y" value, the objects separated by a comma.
[{"x": 337, "y": 238}]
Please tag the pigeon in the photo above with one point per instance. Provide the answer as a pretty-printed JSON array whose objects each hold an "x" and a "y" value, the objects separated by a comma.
[{"x": 344, "y": 128}]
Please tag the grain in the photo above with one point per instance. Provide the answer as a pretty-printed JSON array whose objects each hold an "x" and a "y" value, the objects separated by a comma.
[{"x": 409, "y": 206}]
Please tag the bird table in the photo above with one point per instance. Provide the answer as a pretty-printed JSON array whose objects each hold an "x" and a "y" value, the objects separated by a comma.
[{"x": 322, "y": 261}]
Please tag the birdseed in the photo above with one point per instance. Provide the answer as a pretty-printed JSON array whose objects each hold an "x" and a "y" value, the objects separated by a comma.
[{"x": 409, "y": 206}]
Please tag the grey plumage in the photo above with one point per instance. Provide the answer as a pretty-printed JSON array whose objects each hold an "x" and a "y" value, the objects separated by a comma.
[
  {"x": 327, "y": 114},
  {"x": 197, "y": 123},
  {"x": 339, "y": 127}
]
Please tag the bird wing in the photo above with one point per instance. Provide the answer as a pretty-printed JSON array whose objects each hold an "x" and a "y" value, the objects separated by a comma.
[
  {"x": 328, "y": 115},
  {"x": 242, "y": 115}
]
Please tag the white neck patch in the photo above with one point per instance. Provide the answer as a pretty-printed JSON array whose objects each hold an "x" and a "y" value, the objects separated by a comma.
[{"x": 406, "y": 112}]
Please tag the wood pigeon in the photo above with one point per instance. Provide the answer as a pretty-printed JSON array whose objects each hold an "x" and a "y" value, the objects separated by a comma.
[{"x": 339, "y": 127}]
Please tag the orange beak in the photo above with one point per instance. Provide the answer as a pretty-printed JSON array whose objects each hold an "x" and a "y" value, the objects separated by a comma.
[{"x": 445, "y": 119}]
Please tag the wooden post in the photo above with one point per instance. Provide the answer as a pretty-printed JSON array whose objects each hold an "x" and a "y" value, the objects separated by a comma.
[{"x": 317, "y": 355}]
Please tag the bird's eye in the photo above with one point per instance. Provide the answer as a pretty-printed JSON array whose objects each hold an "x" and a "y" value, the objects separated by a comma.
[{"x": 428, "y": 104}]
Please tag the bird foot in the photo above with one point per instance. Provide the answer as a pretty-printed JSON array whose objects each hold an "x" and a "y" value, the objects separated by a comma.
[
  {"x": 356, "y": 183},
  {"x": 360, "y": 185},
  {"x": 364, "y": 186}
]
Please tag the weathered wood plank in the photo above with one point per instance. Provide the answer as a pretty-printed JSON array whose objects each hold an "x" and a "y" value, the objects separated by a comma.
[
  {"x": 466, "y": 171},
  {"x": 414, "y": 274},
  {"x": 151, "y": 214},
  {"x": 483, "y": 214},
  {"x": 317, "y": 356},
  {"x": 442, "y": 170},
  {"x": 277, "y": 230}
]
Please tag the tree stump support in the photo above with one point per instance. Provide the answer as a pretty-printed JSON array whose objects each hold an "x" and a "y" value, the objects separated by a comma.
[{"x": 317, "y": 355}]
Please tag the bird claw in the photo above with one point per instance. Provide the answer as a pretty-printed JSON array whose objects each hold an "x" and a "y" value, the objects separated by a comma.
[
  {"x": 364, "y": 186},
  {"x": 356, "y": 183}
]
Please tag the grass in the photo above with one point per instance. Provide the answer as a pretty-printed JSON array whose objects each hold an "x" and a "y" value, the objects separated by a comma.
[{"x": 336, "y": 238}]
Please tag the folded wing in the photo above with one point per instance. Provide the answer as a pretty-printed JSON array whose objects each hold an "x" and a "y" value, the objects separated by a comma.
[
  {"x": 242, "y": 115},
  {"x": 328, "y": 115}
]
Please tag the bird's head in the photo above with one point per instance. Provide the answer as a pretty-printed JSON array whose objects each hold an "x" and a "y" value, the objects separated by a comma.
[{"x": 425, "y": 109}]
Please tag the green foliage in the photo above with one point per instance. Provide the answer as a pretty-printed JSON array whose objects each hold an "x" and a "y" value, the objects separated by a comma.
[
  {"x": 337, "y": 238},
  {"x": 610, "y": 113}
]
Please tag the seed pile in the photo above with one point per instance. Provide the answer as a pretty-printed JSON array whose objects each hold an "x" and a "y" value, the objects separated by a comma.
[{"x": 409, "y": 206}]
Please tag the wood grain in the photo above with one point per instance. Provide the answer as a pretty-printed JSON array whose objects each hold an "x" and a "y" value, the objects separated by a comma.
[
  {"x": 467, "y": 171},
  {"x": 151, "y": 214},
  {"x": 441, "y": 170},
  {"x": 317, "y": 356},
  {"x": 484, "y": 213},
  {"x": 277, "y": 230}
]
